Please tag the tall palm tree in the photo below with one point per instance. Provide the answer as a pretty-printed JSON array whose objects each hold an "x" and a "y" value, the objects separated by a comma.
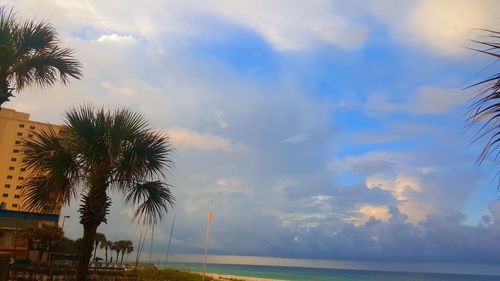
[
  {"x": 99, "y": 151},
  {"x": 30, "y": 55},
  {"x": 485, "y": 108},
  {"x": 99, "y": 240}
]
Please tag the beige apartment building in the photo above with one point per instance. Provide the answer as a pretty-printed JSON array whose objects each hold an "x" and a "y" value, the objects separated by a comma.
[{"x": 14, "y": 126}]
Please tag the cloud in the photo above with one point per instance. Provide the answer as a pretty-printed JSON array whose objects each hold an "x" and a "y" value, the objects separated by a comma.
[
  {"x": 296, "y": 26},
  {"x": 115, "y": 38},
  {"x": 372, "y": 212},
  {"x": 295, "y": 139},
  {"x": 444, "y": 26},
  {"x": 126, "y": 91},
  {"x": 430, "y": 100},
  {"x": 425, "y": 101},
  {"x": 190, "y": 140}
]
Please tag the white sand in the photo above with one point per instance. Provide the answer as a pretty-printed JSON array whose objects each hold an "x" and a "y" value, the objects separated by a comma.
[{"x": 222, "y": 277}]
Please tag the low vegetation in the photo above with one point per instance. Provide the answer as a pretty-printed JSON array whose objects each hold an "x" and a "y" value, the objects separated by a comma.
[{"x": 170, "y": 275}]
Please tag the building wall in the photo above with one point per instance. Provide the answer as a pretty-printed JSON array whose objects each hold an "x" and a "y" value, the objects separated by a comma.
[
  {"x": 14, "y": 126},
  {"x": 14, "y": 216}
]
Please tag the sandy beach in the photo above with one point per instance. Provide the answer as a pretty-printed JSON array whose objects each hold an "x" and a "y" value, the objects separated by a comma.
[{"x": 222, "y": 277}]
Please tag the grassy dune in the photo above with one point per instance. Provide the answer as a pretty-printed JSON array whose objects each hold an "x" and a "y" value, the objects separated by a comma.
[{"x": 170, "y": 275}]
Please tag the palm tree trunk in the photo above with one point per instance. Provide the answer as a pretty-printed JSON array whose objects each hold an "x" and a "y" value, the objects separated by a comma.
[
  {"x": 117, "y": 254},
  {"x": 89, "y": 231},
  {"x": 95, "y": 205},
  {"x": 106, "y": 249},
  {"x": 123, "y": 253}
]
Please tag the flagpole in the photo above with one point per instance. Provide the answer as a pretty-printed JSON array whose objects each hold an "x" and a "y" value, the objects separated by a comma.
[
  {"x": 142, "y": 245},
  {"x": 138, "y": 249},
  {"x": 151, "y": 246},
  {"x": 170, "y": 240},
  {"x": 206, "y": 240}
]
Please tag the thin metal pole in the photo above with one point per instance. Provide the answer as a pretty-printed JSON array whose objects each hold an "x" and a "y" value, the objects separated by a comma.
[
  {"x": 143, "y": 242},
  {"x": 170, "y": 240},
  {"x": 151, "y": 246},
  {"x": 138, "y": 250},
  {"x": 206, "y": 241}
]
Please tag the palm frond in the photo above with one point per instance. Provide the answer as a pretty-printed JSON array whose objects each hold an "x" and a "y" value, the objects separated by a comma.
[
  {"x": 35, "y": 36},
  {"x": 151, "y": 200},
  {"x": 55, "y": 172},
  {"x": 46, "y": 67},
  {"x": 145, "y": 157},
  {"x": 485, "y": 108}
]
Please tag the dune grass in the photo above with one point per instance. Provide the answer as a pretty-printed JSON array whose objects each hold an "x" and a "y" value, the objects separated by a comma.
[{"x": 169, "y": 275}]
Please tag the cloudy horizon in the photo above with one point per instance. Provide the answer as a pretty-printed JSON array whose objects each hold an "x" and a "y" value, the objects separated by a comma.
[{"x": 317, "y": 129}]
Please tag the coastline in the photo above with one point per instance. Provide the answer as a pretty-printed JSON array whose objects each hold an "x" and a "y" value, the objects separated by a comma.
[{"x": 227, "y": 277}]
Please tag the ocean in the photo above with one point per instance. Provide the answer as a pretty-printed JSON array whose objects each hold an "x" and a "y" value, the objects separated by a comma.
[{"x": 322, "y": 274}]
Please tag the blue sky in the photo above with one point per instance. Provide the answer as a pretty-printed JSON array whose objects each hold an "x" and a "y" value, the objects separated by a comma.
[{"x": 318, "y": 129}]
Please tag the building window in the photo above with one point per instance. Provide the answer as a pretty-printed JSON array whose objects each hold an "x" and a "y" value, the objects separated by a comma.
[
  {"x": 7, "y": 186},
  {"x": 16, "y": 196},
  {"x": 20, "y": 178},
  {"x": 25, "y": 160},
  {"x": 9, "y": 177},
  {"x": 15, "y": 150},
  {"x": 13, "y": 159},
  {"x": 5, "y": 195},
  {"x": 18, "y": 142},
  {"x": 11, "y": 168},
  {"x": 21, "y": 125},
  {"x": 23, "y": 169},
  {"x": 19, "y": 187},
  {"x": 30, "y": 135},
  {"x": 20, "y": 134},
  {"x": 32, "y": 127},
  {"x": 14, "y": 205}
]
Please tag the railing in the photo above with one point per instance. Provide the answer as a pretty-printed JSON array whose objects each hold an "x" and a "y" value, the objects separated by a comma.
[{"x": 66, "y": 271}]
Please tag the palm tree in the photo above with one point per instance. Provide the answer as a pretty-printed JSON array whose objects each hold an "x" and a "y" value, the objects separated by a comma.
[
  {"x": 46, "y": 237},
  {"x": 129, "y": 249},
  {"x": 99, "y": 151},
  {"x": 485, "y": 108},
  {"x": 126, "y": 248},
  {"x": 119, "y": 246},
  {"x": 30, "y": 55},
  {"x": 106, "y": 245},
  {"x": 99, "y": 239},
  {"x": 113, "y": 248}
]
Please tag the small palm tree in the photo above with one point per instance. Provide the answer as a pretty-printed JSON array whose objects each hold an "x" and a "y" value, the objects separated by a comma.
[
  {"x": 485, "y": 108},
  {"x": 46, "y": 237},
  {"x": 114, "y": 248},
  {"x": 99, "y": 151},
  {"x": 130, "y": 248},
  {"x": 30, "y": 55},
  {"x": 119, "y": 245},
  {"x": 127, "y": 247},
  {"x": 106, "y": 245},
  {"x": 100, "y": 239}
]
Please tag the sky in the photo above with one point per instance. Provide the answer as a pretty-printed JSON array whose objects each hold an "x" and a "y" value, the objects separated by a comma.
[{"x": 318, "y": 129}]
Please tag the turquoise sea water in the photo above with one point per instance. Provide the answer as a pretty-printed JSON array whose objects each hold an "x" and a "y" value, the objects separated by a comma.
[{"x": 303, "y": 274}]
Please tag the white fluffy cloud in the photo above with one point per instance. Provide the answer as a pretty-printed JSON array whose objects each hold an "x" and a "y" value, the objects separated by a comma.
[{"x": 441, "y": 26}]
